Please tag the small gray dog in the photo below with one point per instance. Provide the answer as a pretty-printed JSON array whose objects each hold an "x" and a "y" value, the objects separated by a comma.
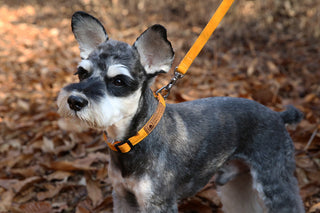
[{"x": 243, "y": 143}]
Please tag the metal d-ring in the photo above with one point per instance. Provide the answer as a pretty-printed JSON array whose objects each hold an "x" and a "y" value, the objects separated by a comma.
[{"x": 165, "y": 90}]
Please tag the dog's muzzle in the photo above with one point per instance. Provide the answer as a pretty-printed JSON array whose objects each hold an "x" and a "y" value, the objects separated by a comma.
[{"x": 77, "y": 103}]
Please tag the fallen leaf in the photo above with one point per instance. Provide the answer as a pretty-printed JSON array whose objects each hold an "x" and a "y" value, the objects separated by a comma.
[
  {"x": 315, "y": 208},
  {"x": 36, "y": 207},
  {"x": 6, "y": 200},
  {"x": 58, "y": 175},
  {"x": 106, "y": 204},
  {"x": 252, "y": 67},
  {"x": 309, "y": 190},
  {"x": 48, "y": 145},
  {"x": 94, "y": 191},
  {"x": 84, "y": 207},
  {"x": 211, "y": 195},
  {"x": 67, "y": 166},
  {"x": 7, "y": 183},
  {"x": 51, "y": 191},
  {"x": 27, "y": 172},
  {"x": 20, "y": 185},
  {"x": 194, "y": 205}
]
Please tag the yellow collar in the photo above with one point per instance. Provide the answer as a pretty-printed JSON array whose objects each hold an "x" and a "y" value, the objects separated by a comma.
[{"x": 127, "y": 145}]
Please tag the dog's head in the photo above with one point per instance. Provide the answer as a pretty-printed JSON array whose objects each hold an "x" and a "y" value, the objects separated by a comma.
[{"x": 112, "y": 74}]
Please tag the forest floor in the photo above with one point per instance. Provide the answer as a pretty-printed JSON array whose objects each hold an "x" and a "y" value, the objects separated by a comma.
[{"x": 268, "y": 51}]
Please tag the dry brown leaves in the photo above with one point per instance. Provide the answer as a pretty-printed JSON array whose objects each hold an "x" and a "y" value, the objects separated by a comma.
[{"x": 272, "y": 57}]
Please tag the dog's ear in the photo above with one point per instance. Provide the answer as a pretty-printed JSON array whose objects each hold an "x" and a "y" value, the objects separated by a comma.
[
  {"x": 88, "y": 31},
  {"x": 156, "y": 53}
]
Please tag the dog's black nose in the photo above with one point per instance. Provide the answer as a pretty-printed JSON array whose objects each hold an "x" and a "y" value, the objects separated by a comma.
[{"x": 76, "y": 103}]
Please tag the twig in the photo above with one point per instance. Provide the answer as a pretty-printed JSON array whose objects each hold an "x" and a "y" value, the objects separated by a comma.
[{"x": 311, "y": 139}]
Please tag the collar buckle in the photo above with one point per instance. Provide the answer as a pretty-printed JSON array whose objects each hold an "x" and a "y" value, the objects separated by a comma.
[{"x": 121, "y": 146}]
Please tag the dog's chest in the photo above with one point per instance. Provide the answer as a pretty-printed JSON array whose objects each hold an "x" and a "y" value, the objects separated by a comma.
[{"x": 141, "y": 187}]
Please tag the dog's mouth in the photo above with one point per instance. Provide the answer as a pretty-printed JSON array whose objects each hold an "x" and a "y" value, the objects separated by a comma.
[
  {"x": 77, "y": 117},
  {"x": 76, "y": 107}
]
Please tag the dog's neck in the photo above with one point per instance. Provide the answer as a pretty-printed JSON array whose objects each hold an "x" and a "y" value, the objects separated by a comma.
[{"x": 130, "y": 125}]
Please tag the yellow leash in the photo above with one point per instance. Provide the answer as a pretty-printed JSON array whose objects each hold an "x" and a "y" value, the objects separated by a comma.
[
  {"x": 198, "y": 45},
  {"x": 204, "y": 36}
]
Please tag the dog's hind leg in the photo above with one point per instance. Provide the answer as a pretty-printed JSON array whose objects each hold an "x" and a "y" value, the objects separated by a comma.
[
  {"x": 278, "y": 189},
  {"x": 235, "y": 187},
  {"x": 272, "y": 170}
]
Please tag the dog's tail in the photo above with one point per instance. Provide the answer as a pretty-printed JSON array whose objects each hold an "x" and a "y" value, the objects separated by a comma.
[{"x": 292, "y": 115}]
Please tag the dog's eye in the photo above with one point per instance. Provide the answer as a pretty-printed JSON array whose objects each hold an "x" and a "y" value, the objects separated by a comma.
[
  {"x": 118, "y": 82},
  {"x": 82, "y": 73}
]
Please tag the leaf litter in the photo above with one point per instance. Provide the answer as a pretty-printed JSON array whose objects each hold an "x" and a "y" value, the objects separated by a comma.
[{"x": 264, "y": 51}]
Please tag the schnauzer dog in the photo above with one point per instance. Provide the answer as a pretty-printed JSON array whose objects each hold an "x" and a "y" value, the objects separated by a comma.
[{"x": 243, "y": 143}]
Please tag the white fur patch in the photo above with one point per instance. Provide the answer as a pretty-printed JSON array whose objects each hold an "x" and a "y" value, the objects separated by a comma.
[
  {"x": 141, "y": 188},
  {"x": 151, "y": 69},
  {"x": 238, "y": 195},
  {"x": 86, "y": 64},
  {"x": 118, "y": 69},
  {"x": 113, "y": 114},
  {"x": 256, "y": 185}
]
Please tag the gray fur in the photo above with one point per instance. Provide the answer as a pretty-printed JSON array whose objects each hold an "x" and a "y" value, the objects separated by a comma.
[{"x": 241, "y": 141}]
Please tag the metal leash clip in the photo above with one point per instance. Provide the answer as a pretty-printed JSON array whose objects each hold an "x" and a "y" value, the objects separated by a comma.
[{"x": 165, "y": 90}]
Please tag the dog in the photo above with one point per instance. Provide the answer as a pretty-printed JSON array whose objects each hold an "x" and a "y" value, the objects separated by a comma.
[{"x": 240, "y": 142}]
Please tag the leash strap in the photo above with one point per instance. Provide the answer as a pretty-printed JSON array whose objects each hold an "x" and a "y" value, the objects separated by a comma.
[
  {"x": 127, "y": 145},
  {"x": 204, "y": 36}
]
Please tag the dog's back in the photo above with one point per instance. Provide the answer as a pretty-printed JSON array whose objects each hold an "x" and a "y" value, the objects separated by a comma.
[{"x": 228, "y": 129}]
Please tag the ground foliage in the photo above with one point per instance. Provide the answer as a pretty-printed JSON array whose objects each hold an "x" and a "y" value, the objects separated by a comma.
[{"x": 268, "y": 51}]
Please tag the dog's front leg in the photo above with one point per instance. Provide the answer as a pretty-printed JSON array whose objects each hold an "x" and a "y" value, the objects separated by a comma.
[
  {"x": 123, "y": 205},
  {"x": 130, "y": 205},
  {"x": 160, "y": 207}
]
